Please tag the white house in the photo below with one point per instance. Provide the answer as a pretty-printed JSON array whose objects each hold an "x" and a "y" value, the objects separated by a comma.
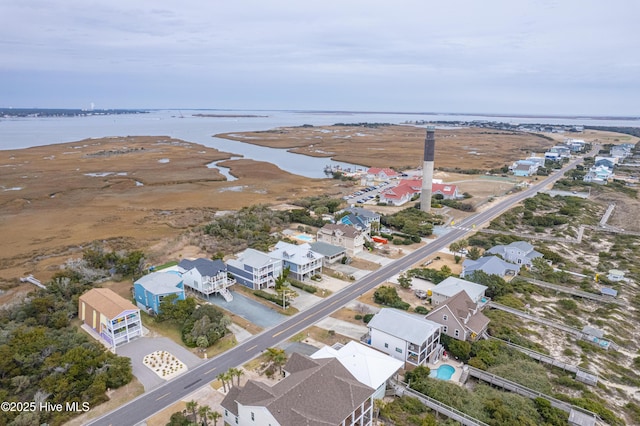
[
  {"x": 206, "y": 277},
  {"x": 404, "y": 336},
  {"x": 452, "y": 286},
  {"x": 303, "y": 263},
  {"x": 491, "y": 265},
  {"x": 367, "y": 365},
  {"x": 345, "y": 236}
]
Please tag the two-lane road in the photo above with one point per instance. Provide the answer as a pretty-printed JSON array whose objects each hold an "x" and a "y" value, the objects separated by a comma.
[{"x": 157, "y": 399}]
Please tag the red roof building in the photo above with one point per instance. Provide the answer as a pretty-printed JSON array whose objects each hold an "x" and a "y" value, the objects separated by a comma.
[{"x": 408, "y": 188}]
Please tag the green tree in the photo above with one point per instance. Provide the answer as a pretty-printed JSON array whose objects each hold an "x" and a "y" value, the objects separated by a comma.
[
  {"x": 204, "y": 412},
  {"x": 474, "y": 253},
  {"x": 276, "y": 357},
  {"x": 404, "y": 280}
]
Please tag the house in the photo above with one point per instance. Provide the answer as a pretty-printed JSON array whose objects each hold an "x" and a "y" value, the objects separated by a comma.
[
  {"x": 575, "y": 145},
  {"x": 362, "y": 219},
  {"x": 452, "y": 285},
  {"x": 402, "y": 193},
  {"x": 206, "y": 277},
  {"x": 314, "y": 392},
  {"x": 404, "y": 336},
  {"x": 330, "y": 253},
  {"x": 524, "y": 168},
  {"x": 599, "y": 175},
  {"x": 113, "y": 318},
  {"x": 561, "y": 150},
  {"x": 255, "y": 269},
  {"x": 303, "y": 263},
  {"x": 446, "y": 190},
  {"x": 377, "y": 173},
  {"x": 518, "y": 252},
  {"x": 460, "y": 317},
  {"x": 605, "y": 162},
  {"x": 553, "y": 156},
  {"x": 150, "y": 289},
  {"x": 345, "y": 236},
  {"x": 369, "y": 366},
  {"x": 537, "y": 160},
  {"x": 491, "y": 265}
]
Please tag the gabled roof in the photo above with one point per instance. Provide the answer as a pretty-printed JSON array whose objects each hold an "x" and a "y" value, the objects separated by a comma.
[
  {"x": 387, "y": 171},
  {"x": 444, "y": 188},
  {"x": 326, "y": 249},
  {"x": 369, "y": 366},
  {"x": 339, "y": 229},
  {"x": 452, "y": 285},
  {"x": 319, "y": 392},
  {"x": 351, "y": 219},
  {"x": 206, "y": 267},
  {"x": 461, "y": 306},
  {"x": 490, "y": 265},
  {"x": 254, "y": 258},
  {"x": 298, "y": 254},
  {"x": 359, "y": 211},
  {"x": 107, "y": 302},
  {"x": 160, "y": 282},
  {"x": 408, "y": 327}
]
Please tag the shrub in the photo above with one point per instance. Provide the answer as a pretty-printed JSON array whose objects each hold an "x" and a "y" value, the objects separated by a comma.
[{"x": 421, "y": 310}]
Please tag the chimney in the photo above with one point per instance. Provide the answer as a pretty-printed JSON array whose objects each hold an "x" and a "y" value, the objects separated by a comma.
[{"x": 427, "y": 169}]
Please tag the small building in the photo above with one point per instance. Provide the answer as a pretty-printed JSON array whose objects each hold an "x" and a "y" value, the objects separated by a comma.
[
  {"x": 460, "y": 317},
  {"x": 330, "y": 253},
  {"x": 113, "y": 318},
  {"x": 206, "y": 277},
  {"x": 491, "y": 265},
  {"x": 362, "y": 219},
  {"x": 255, "y": 269},
  {"x": 377, "y": 173},
  {"x": 341, "y": 235},
  {"x": 367, "y": 365},
  {"x": 524, "y": 168},
  {"x": 452, "y": 285},
  {"x": 404, "y": 336},
  {"x": 615, "y": 275},
  {"x": 303, "y": 263},
  {"x": 606, "y": 291},
  {"x": 313, "y": 392},
  {"x": 150, "y": 289}
]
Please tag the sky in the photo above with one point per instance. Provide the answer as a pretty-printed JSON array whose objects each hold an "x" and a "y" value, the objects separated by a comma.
[{"x": 564, "y": 57}]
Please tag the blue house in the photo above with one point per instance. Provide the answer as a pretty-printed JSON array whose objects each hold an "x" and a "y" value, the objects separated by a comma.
[{"x": 151, "y": 289}]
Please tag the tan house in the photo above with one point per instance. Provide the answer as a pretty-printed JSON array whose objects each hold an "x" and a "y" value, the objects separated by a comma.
[
  {"x": 112, "y": 317},
  {"x": 342, "y": 235},
  {"x": 460, "y": 317}
]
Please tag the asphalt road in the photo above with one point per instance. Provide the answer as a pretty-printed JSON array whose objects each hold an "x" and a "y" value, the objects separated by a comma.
[{"x": 159, "y": 398}]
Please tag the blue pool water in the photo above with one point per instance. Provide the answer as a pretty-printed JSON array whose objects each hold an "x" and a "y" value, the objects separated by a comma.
[
  {"x": 444, "y": 372},
  {"x": 304, "y": 238}
]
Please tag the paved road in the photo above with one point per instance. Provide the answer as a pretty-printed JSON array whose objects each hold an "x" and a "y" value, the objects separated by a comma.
[{"x": 151, "y": 402}]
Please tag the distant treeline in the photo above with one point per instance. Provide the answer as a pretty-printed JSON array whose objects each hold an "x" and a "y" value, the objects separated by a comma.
[
  {"x": 60, "y": 112},
  {"x": 371, "y": 125},
  {"x": 633, "y": 131}
]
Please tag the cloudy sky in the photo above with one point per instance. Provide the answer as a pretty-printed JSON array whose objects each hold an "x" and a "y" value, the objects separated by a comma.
[{"x": 502, "y": 56}]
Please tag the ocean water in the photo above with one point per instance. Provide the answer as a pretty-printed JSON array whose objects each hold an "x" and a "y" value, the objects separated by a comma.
[{"x": 27, "y": 132}]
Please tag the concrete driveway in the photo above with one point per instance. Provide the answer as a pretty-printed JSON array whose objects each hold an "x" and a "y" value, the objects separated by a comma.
[
  {"x": 249, "y": 309},
  {"x": 343, "y": 327},
  {"x": 137, "y": 349}
]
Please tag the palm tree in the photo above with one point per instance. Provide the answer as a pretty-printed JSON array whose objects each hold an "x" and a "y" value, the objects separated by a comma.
[
  {"x": 214, "y": 415},
  {"x": 277, "y": 357},
  {"x": 205, "y": 413},
  {"x": 193, "y": 407},
  {"x": 223, "y": 378},
  {"x": 236, "y": 372}
]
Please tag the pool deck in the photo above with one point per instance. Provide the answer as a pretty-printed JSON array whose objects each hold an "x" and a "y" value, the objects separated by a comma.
[{"x": 455, "y": 364}]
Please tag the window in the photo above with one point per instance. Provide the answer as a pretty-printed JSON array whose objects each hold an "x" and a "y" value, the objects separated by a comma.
[
  {"x": 253, "y": 416},
  {"x": 445, "y": 317},
  {"x": 444, "y": 328},
  {"x": 386, "y": 345},
  {"x": 236, "y": 419},
  {"x": 456, "y": 333},
  {"x": 399, "y": 350},
  {"x": 226, "y": 413}
]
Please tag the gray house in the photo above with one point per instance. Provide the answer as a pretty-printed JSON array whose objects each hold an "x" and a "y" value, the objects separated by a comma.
[
  {"x": 518, "y": 252},
  {"x": 491, "y": 265},
  {"x": 460, "y": 317}
]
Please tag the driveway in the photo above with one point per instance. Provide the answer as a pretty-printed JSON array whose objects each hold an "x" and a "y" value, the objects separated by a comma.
[
  {"x": 304, "y": 300},
  {"x": 380, "y": 260},
  {"x": 137, "y": 349},
  {"x": 343, "y": 327},
  {"x": 249, "y": 309}
]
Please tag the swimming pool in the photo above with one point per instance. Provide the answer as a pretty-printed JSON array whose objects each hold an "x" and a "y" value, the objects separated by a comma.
[
  {"x": 306, "y": 238},
  {"x": 444, "y": 372}
]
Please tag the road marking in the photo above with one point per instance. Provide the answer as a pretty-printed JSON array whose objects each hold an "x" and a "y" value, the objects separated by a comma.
[
  {"x": 210, "y": 370},
  {"x": 166, "y": 394},
  {"x": 252, "y": 347}
]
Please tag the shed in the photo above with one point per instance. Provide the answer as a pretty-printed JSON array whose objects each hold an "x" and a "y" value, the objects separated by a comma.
[{"x": 606, "y": 291}]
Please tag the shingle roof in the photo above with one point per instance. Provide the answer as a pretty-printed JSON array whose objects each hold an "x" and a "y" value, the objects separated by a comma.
[
  {"x": 336, "y": 229},
  {"x": 323, "y": 393},
  {"x": 107, "y": 302},
  {"x": 408, "y": 327},
  {"x": 160, "y": 282},
  {"x": 297, "y": 254},
  {"x": 254, "y": 258},
  {"x": 452, "y": 285},
  {"x": 489, "y": 265},
  {"x": 326, "y": 249},
  {"x": 206, "y": 267}
]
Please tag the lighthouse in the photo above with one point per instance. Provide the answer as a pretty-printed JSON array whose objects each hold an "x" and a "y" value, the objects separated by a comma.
[{"x": 427, "y": 169}]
